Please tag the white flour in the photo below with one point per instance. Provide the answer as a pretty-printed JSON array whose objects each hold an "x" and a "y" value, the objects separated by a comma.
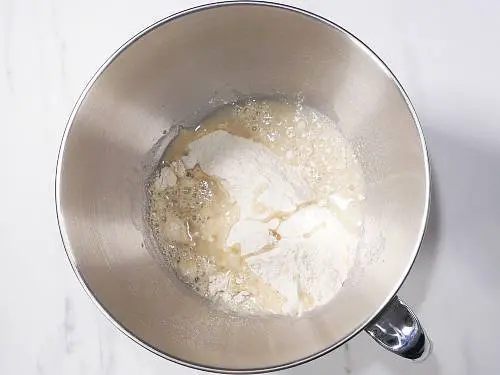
[
  {"x": 275, "y": 225},
  {"x": 306, "y": 256},
  {"x": 310, "y": 262},
  {"x": 261, "y": 185}
]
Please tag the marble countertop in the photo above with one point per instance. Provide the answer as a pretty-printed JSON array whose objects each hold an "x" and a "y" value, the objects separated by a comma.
[{"x": 446, "y": 55}]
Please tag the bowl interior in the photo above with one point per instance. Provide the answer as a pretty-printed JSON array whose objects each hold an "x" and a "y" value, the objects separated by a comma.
[{"x": 180, "y": 70}]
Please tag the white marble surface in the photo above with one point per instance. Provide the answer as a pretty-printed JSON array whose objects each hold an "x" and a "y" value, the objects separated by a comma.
[{"x": 445, "y": 54}]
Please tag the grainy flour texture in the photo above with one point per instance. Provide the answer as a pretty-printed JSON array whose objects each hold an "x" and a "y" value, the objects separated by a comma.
[{"x": 260, "y": 209}]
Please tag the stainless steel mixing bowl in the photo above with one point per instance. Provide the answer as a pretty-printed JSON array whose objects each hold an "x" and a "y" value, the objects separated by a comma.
[{"x": 180, "y": 69}]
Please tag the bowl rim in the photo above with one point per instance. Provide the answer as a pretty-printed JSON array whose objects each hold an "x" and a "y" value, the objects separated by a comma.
[{"x": 66, "y": 242}]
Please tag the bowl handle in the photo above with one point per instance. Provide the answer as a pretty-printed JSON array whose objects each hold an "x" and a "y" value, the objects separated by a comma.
[{"x": 398, "y": 330}]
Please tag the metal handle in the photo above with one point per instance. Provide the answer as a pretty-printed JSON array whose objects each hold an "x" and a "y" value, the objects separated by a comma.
[{"x": 398, "y": 330}]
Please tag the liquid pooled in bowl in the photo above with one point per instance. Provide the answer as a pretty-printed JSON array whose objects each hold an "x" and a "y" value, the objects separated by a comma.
[{"x": 259, "y": 209}]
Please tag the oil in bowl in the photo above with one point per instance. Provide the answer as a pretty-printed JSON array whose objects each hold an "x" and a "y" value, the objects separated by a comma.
[{"x": 259, "y": 209}]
